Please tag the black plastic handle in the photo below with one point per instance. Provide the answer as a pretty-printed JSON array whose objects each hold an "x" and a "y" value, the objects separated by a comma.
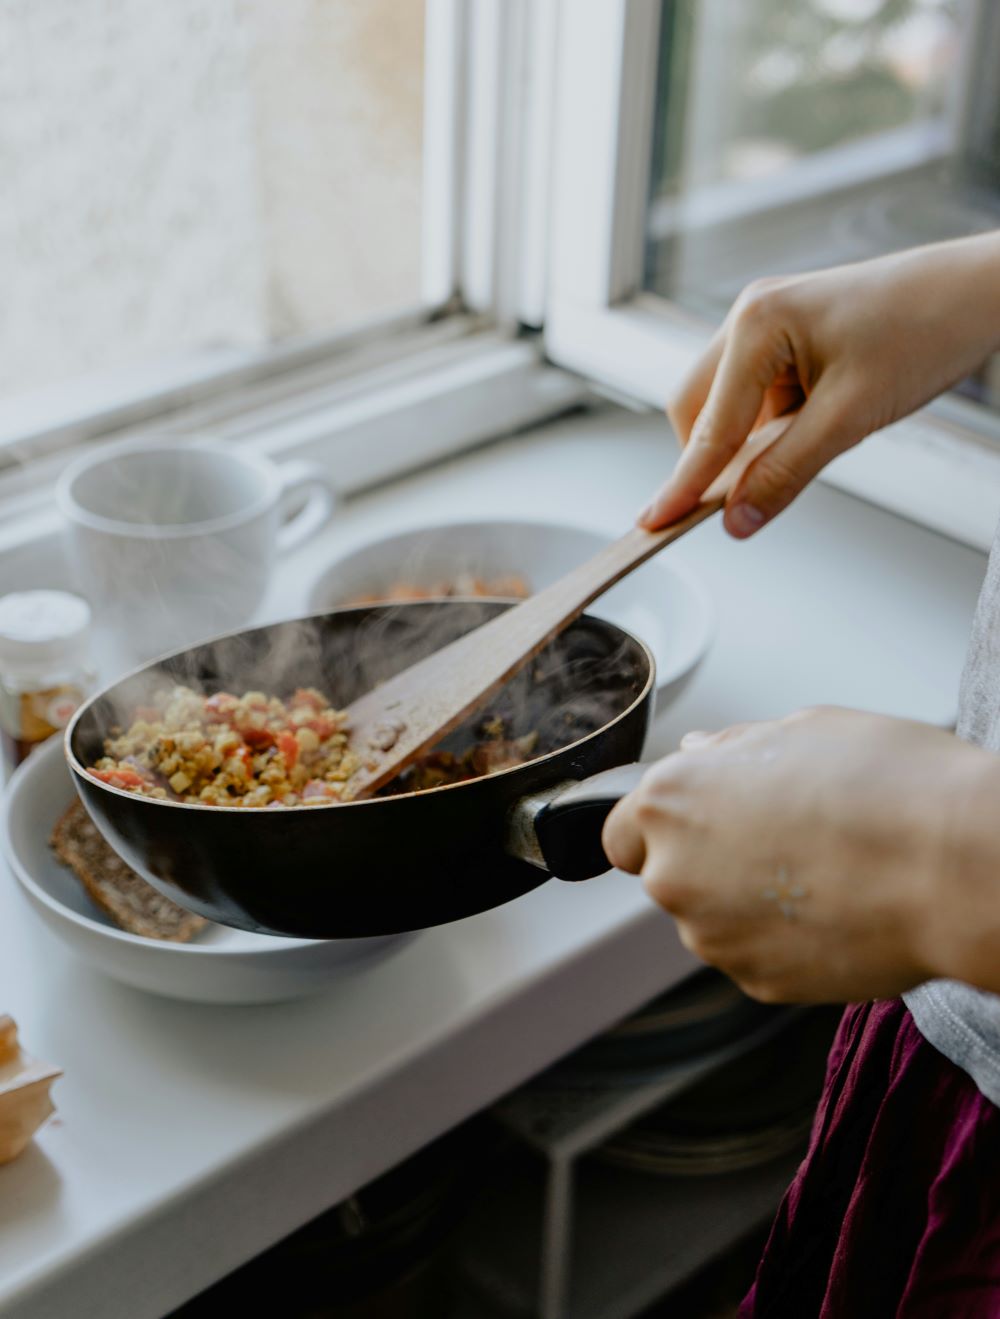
[{"x": 568, "y": 826}]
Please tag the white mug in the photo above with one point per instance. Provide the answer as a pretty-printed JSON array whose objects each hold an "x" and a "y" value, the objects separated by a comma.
[{"x": 174, "y": 542}]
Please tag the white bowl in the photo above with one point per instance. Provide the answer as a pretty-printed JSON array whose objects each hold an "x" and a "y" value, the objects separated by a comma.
[
  {"x": 219, "y": 966},
  {"x": 662, "y": 604}
]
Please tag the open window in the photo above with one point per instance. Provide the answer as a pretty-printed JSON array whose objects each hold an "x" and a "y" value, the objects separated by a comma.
[
  {"x": 699, "y": 144},
  {"x": 374, "y": 234}
]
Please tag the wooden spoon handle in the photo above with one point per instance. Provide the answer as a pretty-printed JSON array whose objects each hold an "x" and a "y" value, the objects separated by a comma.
[
  {"x": 567, "y": 598},
  {"x": 440, "y": 691}
]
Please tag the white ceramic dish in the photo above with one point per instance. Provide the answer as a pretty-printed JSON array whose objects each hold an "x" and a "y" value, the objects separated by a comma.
[
  {"x": 219, "y": 966},
  {"x": 664, "y": 605}
]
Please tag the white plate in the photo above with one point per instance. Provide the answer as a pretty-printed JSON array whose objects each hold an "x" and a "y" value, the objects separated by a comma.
[
  {"x": 660, "y": 603},
  {"x": 219, "y": 966}
]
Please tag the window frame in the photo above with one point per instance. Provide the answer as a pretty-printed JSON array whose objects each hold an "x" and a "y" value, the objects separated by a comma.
[
  {"x": 940, "y": 468},
  {"x": 537, "y": 136}
]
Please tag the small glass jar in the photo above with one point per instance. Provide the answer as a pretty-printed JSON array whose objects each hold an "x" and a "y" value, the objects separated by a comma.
[{"x": 46, "y": 669}]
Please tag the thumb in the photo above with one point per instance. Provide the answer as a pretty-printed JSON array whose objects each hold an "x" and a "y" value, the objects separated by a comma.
[{"x": 820, "y": 431}]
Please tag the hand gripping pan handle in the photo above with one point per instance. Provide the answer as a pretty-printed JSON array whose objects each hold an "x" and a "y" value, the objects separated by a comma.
[{"x": 560, "y": 831}]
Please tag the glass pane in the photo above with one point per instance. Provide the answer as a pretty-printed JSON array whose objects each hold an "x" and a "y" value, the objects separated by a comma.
[
  {"x": 792, "y": 134},
  {"x": 187, "y": 174}
]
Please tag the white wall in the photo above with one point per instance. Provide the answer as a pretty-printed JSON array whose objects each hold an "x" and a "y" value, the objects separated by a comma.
[
  {"x": 182, "y": 173},
  {"x": 338, "y": 96}
]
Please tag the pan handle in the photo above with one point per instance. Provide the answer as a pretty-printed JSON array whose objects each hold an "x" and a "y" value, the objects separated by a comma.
[{"x": 560, "y": 831}]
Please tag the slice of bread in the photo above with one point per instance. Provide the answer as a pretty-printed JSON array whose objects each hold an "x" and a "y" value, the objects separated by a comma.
[{"x": 131, "y": 903}]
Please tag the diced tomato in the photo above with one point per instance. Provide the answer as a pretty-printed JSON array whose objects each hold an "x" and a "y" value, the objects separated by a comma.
[
  {"x": 305, "y": 696},
  {"x": 221, "y": 705},
  {"x": 256, "y": 738},
  {"x": 246, "y": 755},
  {"x": 322, "y": 727},
  {"x": 289, "y": 748},
  {"x": 120, "y": 778}
]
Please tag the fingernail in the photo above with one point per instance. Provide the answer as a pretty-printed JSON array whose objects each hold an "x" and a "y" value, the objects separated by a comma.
[
  {"x": 744, "y": 520},
  {"x": 694, "y": 739},
  {"x": 644, "y": 515}
]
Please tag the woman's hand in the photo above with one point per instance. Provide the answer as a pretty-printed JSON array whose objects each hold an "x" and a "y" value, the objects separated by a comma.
[
  {"x": 829, "y": 856},
  {"x": 847, "y": 351}
]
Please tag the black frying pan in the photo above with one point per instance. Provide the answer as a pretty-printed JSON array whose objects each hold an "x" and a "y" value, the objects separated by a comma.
[{"x": 393, "y": 863}]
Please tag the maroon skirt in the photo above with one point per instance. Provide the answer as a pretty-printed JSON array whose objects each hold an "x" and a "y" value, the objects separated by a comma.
[{"x": 895, "y": 1211}]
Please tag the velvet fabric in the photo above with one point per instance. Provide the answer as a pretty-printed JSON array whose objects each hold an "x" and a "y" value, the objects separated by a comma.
[{"x": 895, "y": 1210}]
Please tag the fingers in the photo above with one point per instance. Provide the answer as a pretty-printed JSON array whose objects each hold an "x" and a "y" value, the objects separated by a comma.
[
  {"x": 817, "y": 434},
  {"x": 782, "y": 398},
  {"x": 684, "y": 408},
  {"x": 638, "y": 819},
  {"x": 698, "y": 739},
  {"x": 623, "y": 839},
  {"x": 755, "y": 351}
]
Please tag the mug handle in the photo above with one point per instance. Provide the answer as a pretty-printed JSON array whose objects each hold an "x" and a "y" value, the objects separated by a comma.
[{"x": 315, "y": 513}]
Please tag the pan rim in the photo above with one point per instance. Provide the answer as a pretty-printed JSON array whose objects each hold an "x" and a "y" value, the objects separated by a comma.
[{"x": 80, "y": 771}]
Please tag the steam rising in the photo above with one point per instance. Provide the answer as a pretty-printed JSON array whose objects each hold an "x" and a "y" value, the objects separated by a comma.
[
  {"x": 578, "y": 683},
  {"x": 180, "y": 549}
]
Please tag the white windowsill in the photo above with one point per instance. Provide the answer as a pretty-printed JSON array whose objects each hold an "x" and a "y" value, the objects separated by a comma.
[
  {"x": 66, "y": 412},
  {"x": 460, "y": 389}
]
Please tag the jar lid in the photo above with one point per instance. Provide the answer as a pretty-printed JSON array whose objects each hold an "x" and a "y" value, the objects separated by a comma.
[{"x": 41, "y": 628}]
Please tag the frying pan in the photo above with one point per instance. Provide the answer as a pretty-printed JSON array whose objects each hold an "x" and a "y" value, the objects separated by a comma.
[{"x": 398, "y": 862}]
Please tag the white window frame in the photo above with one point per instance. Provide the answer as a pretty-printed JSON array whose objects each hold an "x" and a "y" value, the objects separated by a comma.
[
  {"x": 538, "y": 116},
  {"x": 941, "y": 467}
]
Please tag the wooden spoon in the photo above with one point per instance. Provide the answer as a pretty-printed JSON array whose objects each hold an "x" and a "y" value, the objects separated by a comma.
[{"x": 410, "y": 713}]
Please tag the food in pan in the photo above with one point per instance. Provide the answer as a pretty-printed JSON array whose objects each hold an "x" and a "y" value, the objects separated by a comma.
[
  {"x": 508, "y": 586},
  {"x": 258, "y": 751},
  {"x": 495, "y": 751},
  {"x": 225, "y": 750},
  {"x": 132, "y": 904}
]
